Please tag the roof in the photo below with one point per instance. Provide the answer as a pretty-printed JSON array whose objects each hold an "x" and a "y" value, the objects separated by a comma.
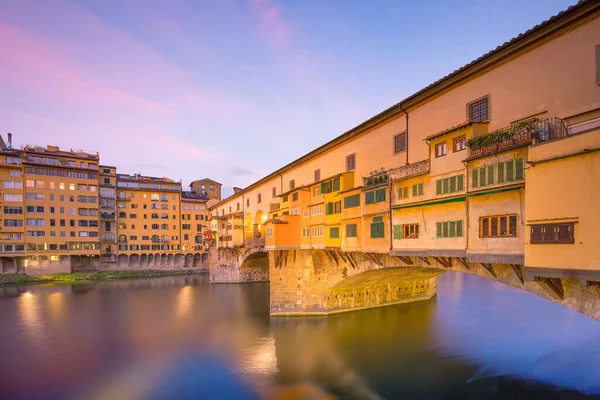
[
  {"x": 275, "y": 221},
  {"x": 205, "y": 180},
  {"x": 449, "y": 130},
  {"x": 515, "y": 45}
]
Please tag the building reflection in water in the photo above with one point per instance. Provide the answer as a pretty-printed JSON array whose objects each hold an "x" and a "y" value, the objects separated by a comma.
[{"x": 179, "y": 337}]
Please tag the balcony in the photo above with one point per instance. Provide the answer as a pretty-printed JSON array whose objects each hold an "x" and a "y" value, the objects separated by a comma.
[
  {"x": 517, "y": 135},
  {"x": 375, "y": 179},
  {"x": 107, "y": 216},
  {"x": 410, "y": 170}
]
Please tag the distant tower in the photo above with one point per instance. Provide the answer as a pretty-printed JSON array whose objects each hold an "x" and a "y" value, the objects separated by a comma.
[{"x": 207, "y": 187}]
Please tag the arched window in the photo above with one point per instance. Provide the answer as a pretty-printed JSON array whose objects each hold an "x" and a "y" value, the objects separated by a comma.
[
  {"x": 154, "y": 216},
  {"x": 154, "y": 197},
  {"x": 154, "y": 226},
  {"x": 164, "y": 226},
  {"x": 154, "y": 206},
  {"x": 164, "y": 206},
  {"x": 155, "y": 238},
  {"x": 164, "y": 197},
  {"x": 164, "y": 238},
  {"x": 164, "y": 216}
]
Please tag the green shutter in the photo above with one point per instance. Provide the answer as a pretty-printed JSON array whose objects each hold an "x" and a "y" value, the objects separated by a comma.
[
  {"x": 445, "y": 229},
  {"x": 438, "y": 231},
  {"x": 519, "y": 172},
  {"x": 323, "y": 187},
  {"x": 415, "y": 190},
  {"x": 336, "y": 184},
  {"x": 510, "y": 171},
  {"x": 459, "y": 228},
  {"x": 446, "y": 185},
  {"x": 380, "y": 230},
  {"x": 405, "y": 192},
  {"x": 451, "y": 228},
  {"x": 490, "y": 174},
  {"x": 369, "y": 197},
  {"x": 482, "y": 177},
  {"x": 460, "y": 182},
  {"x": 452, "y": 180},
  {"x": 501, "y": 174},
  {"x": 397, "y": 231},
  {"x": 420, "y": 189},
  {"x": 475, "y": 177},
  {"x": 438, "y": 187},
  {"x": 373, "y": 230}
]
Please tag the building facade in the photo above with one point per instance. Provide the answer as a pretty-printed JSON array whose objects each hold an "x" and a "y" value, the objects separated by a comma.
[
  {"x": 63, "y": 211},
  {"x": 496, "y": 163}
]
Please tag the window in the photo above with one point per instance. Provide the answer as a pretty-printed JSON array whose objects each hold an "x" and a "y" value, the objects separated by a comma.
[
  {"x": 270, "y": 232},
  {"x": 334, "y": 233},
  {"x": 478, "y": 110},
  {"x": 333, "y": 208},
  {"x": 317, "y": 190},
  {"x": 317, "y": 175},
  {"x": 13, "y": 172},
  {"x": 351, "y": 231},
  {"x": 417, "y": 189},
  {"x": 351, "y": 162},
  {"x": 317, "y": 210},
  {"x": 498, "y": 226},
  {"x": 258, "y": 198},
  {"x": 274, "y": 192},
  {"x": 305, "y": 232},
  {"x": 13, "y": 210},
  {"x": 352, "y": 201},
  {"x": 403, "y": 192},
  {"x": 292, "y": 184},
  {"x": 410, "y": 231},
  {"x": 317, "y": 231},
  {"x": 375, "y": 196},
  {"x": 13, "y": 197},
  {"x": 15, "y": 184},
  {"x": 440, "y": 149},
  {"x": 330, "y": 186},
  {"x": 400, "y": 143},
  {"x": 305, "y": 213},
  {"x": 502, "y": 172},
  {"x": 449, "y": 229},
  {"x": 560, "y": 233},
  {"x": 294, "y": 196},
  {"x": 460, "y": 143},
  {"x": 377, "y": 228},
  {"x": 452, "y": 184}
]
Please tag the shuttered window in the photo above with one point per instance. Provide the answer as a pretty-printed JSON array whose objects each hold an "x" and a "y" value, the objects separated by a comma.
[
  {"x": 334, "y": 233},
  {"x": 449, "y": 229},
  {"x": 403, "y": 192},
  {"x": 397, "y": 231},
  {"x": 330, "y": 186},
  {"x": 410, "y": 230},
  {"x": 502, "y": 172},
  {"x": 561, "y": 233},
  {"x": 351, "y": 162},
  {"x": 375, "y": 196},
  {"x": 417, "y": 189},
  {"x": 351, "y": 231},
  {"x": 352, "y": 201},
  {"x": 329, "y": 208},
  {"x": 377, "y": 228},
  {"x": 451, "y": 184}
]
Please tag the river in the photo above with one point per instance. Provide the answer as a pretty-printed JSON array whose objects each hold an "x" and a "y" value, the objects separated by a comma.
[{"x": 180, "y": 337}]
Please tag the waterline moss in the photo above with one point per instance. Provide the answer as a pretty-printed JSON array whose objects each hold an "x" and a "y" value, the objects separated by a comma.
[{"x": 87, "y": 276}]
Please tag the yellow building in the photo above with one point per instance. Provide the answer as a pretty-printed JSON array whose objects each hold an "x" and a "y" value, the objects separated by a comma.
[
  {"x": 493, "y": 164},
  {"x": 61, "y": 211}
]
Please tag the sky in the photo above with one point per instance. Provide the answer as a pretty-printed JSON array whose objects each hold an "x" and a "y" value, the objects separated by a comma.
[{"x": 228, "y": 89}]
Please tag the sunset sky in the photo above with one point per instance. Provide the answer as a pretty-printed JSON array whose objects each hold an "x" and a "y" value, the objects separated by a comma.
[{"x": 228, "y": 89}]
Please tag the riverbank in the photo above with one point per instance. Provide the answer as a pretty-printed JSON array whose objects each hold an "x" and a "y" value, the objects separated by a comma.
[{"x": 21, "y": 279}]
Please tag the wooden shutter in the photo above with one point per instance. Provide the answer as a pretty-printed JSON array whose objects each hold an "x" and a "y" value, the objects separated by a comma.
[
  {"x": 405, "y": 190},
  {"x": 415, "y": 190},
  {"x": 323, "y": 187},
  {"x": 475, "y": 178},
  {"x": 452, "y": 180},
  {"x": 459, "y": 228},
  {"x": 490, "y": 174},
  {"x": 501, "y": 175},
  {"x": 336, "y": 184},
  {"x": 445, "y": 229},
  {"x": 564, "y": 233},
  {"x": 452, "y": 229},
  {"x": 537, "y": 234},
  {"x": 438, "y": 187},
  {"x": 482, "y": 177},
  {"x": 438, "y": 230},
  {"x": 510, "y": 171},
  {"x": 460, "y": 182},
  {"x": 373, "y": 230},
  {"x": 519, "y": 172},
  {"x": 420, "y": 189},
  {"x": 445, "y": 185},
  {"x": 397, "y": 231}
]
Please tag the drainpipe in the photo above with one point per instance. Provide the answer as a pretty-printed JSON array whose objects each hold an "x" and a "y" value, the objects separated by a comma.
[{"x": 407, "y": 141}]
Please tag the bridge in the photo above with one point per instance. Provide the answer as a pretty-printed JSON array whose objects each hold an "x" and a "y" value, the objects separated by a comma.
[{"x": 321, "y": 282}]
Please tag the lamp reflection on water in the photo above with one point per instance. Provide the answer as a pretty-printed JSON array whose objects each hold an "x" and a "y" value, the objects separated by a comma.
[{"x": 30, "y": 315}]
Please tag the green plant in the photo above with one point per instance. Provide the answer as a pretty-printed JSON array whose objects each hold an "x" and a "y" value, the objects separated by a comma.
[{"x": 530, "y": 127}]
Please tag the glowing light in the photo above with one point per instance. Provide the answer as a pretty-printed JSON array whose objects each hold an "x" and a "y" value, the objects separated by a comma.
[{"x": 184, "y": 303}]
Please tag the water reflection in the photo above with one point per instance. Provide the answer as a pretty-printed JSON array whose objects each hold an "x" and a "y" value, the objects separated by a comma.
[{"x": 179, "y": 337}]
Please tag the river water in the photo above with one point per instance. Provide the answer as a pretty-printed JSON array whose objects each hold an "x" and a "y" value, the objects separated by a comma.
[{"x": 179, "y": 338}]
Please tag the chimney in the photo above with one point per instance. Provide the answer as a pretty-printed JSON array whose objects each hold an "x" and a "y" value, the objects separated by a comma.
[
  {"x": 9, "y": 140},
  {"x": 236, "y": 190}
]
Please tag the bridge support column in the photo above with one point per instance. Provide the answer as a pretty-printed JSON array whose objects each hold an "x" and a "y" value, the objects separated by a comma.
[
  {"x": 238, "y": 265},
  {"x": 322, "y": 282}
]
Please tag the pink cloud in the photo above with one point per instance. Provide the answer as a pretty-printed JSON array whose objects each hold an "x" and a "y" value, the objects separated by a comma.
[{"x": 273, "y": 24}]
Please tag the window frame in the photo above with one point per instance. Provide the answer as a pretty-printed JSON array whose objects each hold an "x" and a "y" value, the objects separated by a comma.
[
  {"x": 459, "y": 140},
  {"x": 497, "y": 218},
  {"x": 470, "y": 113},
  {"x": 400, "y": 149},
  {"x": 352, "y": 167},
  {"x": 440, "y": 145}
]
